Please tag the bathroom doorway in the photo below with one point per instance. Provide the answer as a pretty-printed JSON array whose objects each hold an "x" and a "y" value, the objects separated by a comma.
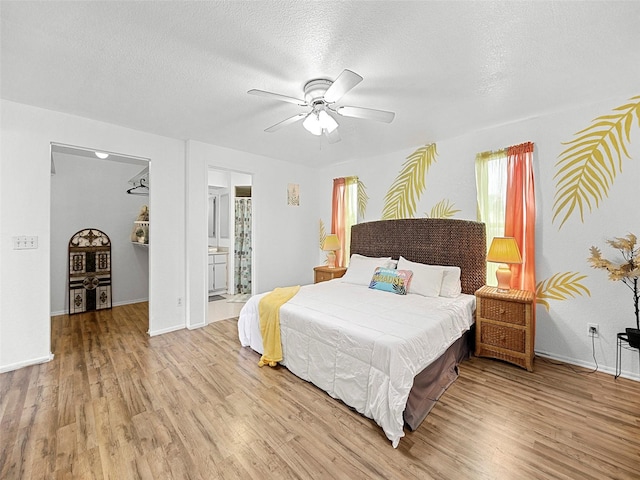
[{"x": 230, "y": 242}]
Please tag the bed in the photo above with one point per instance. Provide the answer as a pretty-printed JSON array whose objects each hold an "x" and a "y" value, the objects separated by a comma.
[{"x": 389, "y": 357}]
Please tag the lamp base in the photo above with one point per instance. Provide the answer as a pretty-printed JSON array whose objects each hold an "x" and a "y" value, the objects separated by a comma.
[
  {"x": 331, "y": 259},
  {"x": 503, "y": 274}
]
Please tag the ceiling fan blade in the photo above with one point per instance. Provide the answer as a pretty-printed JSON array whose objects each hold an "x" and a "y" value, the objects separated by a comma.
[
  {"x": 345, "y": 82},
  {"x": 333, "y": 136},
  {"x": 366, "y": 113},
  {"x": 277, "y": 96},
  {"x": 284, "y": 123}
]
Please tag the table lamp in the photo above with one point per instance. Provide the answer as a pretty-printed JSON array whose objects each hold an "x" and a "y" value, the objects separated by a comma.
[
  {"x": 504, "y": 250},
  {"x": 331, "y": 244}
]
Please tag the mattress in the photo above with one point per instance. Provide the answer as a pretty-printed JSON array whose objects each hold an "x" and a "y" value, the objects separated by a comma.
[{"x": 363, "y": 346}]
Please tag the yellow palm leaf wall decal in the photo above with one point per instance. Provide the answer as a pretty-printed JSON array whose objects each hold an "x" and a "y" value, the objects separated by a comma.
[
  {"x": 443, "y": 209},
  {"x": 588, "y": 166},
  {"x": 560, "y": 286},
  {"x": 400, "y": 200},
  {"x": 363, "y": 199},
  {"x": 323, "y": 234}
]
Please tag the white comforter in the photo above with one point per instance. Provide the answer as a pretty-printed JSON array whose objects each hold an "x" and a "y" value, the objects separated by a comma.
[{"x": 360, "y": 345}]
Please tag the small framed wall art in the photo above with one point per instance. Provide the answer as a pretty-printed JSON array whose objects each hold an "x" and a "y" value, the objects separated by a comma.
[{"x": 293, "y": 195}]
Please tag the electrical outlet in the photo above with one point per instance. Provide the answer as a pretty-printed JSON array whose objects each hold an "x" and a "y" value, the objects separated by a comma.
[
  {"x": 179, "y": 301},
  {"x": 594, "y": 330}
]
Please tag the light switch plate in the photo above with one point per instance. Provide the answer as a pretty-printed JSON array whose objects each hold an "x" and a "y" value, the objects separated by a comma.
[{"x": 24, "y": 242}]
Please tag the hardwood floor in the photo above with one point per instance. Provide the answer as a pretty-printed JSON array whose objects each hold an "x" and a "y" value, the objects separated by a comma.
[{"x": 116, "y": 404}]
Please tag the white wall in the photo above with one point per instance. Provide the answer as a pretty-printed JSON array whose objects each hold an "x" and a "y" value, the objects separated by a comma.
[
  {"x": 285, "y": 238},
  {"x": 92, "y": 193},
  {"x": 218, "y": 178},
  {"x": 561, "y": 331},
  {"x": 25, "y": 195}
]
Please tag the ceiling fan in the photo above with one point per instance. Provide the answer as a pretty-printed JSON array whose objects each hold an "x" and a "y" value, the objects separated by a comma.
[{"x": 321, "y": 95}]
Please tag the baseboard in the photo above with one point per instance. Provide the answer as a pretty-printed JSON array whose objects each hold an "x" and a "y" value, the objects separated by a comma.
[
  {"x": 114, "y": 304},
  {"x": 591, "y": 366},
  {"x": 165, "y": 330},
  {"x": 26, "y": 363}
]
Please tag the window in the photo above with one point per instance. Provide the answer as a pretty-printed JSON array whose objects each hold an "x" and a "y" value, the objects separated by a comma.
[
  {"x": 344, "y": 214},
  {"x": 507, "y": 205},
  {"x": 491, "y": 187}
]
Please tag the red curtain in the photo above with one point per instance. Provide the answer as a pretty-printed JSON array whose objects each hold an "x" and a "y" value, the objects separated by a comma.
[
  {"x": 520, "y": 213},
  {"x": 338, "y": 217}
]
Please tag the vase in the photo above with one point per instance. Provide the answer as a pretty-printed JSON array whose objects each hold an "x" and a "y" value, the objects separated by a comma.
[{"x": 633, "y": 334}]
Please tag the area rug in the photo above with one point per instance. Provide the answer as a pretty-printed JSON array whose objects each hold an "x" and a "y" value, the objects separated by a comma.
[{"x": 215, "y": 298}]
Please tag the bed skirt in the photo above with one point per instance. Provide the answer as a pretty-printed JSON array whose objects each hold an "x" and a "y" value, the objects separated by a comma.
[{"x": 433, "y": 381}]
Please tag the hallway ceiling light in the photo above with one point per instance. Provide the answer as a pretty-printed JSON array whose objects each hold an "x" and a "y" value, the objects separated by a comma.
[{"x": 102, "y": 155}]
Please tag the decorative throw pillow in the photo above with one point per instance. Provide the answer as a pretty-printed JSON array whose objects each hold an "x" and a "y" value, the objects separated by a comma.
[
  {"x": 427, "y": 279},
  {"x": 361, "y": 268},
  {"x": 391, "y": 280}
]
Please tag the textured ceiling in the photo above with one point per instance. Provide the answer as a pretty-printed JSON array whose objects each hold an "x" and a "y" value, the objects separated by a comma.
[{"x": 182, "y": 69}]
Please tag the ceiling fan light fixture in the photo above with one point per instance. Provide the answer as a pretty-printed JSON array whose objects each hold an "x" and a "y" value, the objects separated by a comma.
[
  {"x": 327, "y": 122},
  {"x": 321, "y": 95},
  {"x": 312, "y": 124}
]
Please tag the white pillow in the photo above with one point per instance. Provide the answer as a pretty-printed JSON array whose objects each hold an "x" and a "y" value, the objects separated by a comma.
[
  {"x": 451, "y": 285},
  {"x": 361, "y": 268},
  {"x": 427, "y": 279}
]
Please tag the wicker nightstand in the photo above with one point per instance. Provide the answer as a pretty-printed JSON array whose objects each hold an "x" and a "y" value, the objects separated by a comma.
[
  {"x": 324, "y": 273},
  {"x": 505, "y": 326}
]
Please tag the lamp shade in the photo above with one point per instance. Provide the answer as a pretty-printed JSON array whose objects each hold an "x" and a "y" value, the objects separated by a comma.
[
  {"x": 504, "y": 250},
  {"x": 312, "y": 124},
  {"x": 331, "y": 243},
  {"x": 326, "y": 121}
]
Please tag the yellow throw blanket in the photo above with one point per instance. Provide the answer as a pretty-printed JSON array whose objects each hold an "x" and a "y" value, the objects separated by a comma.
[{"x": 269, "y": 310}]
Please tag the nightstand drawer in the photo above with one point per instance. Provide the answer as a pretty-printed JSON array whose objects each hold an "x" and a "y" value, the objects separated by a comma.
[
  {"x": 503, "y": 311},
  {"x": 323, "y": 276},
  {"x": 324, "y": 273},
  {"x": 513, "y": 339}
]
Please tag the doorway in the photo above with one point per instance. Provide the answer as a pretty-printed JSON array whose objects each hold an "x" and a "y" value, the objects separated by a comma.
[
  {"x": 230, "y": 241},
  {"x": 103, "y": 192}
]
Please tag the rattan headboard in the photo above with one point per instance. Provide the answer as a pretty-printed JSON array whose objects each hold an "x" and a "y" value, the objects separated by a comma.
[{"x": 435, "y": 241}]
